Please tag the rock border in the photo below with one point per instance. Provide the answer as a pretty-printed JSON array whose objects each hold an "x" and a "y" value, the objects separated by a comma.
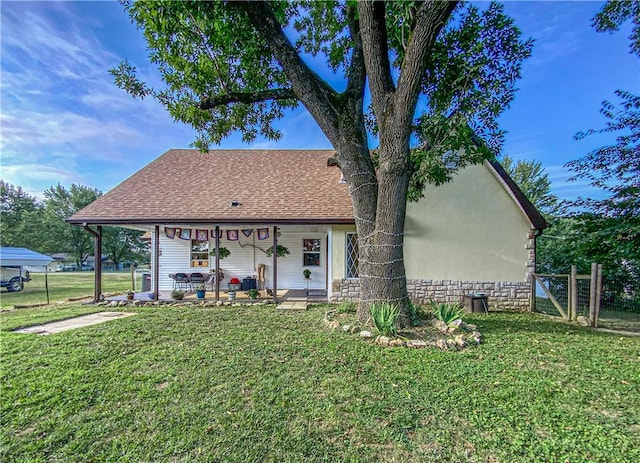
[{"x": 460, "y": 335}]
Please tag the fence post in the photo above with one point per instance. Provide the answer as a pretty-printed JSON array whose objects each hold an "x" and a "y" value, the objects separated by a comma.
[
  {"x": 592, "y": 293},
  {"x": 573, "y": 293},
  {"x": 598, "y": 296}
]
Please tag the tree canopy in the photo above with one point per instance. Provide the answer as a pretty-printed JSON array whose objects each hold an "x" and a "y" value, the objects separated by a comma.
[{"x": 424, "y": 75}]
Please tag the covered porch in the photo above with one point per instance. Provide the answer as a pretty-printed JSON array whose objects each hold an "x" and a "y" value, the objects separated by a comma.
[{"x": 242, "y": 257}]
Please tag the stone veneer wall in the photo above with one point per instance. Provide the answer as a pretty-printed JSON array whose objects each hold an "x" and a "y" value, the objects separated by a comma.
[{"x": 502, "y": 295}]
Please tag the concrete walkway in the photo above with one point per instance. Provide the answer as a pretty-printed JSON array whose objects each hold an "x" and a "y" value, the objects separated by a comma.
[{"x": 73, "y": 323}]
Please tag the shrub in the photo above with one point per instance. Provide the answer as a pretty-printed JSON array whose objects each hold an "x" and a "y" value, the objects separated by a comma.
[
  {"x": 347, "y": 307},
  {"x": 177, "y": 294},
  {"x": 447, "y": 311},
  {"x": 384, "y": 318},
  {"x": 252, "y": 293}
]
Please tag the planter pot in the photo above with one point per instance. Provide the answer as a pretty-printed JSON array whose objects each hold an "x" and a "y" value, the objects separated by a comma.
[
  {"x": 232, "y": 295},
  {"x": 130, "y": 297},
  {"x": 200, "y": 293}
]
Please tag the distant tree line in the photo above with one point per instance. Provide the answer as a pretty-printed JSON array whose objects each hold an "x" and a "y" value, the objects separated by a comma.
[{"x": 40, "y": 225}]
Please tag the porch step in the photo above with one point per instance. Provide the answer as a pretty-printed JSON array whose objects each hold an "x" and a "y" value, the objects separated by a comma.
[{"x": 293, "y": 305}]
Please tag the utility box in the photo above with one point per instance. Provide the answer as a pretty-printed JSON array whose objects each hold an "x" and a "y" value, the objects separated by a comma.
[
  {"x": 476, "y": 303},
  {"x": 146, "y": 282}
]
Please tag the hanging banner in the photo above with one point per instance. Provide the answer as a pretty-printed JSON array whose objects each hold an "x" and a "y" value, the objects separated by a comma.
[
  {"x": 247, "y": 232},
  {"x": 202, "y": 235},
  {"x": 232, "y": 235},
  {"x": 213, "y": 235},
  {"x": 170, "y": 232},
  {"x": 263, "y": 233},
  {"x": 185, "y": 234}
]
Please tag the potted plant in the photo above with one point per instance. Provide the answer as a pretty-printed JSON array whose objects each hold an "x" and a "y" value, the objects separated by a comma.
[
  {"x": 307, "y": 274},
  {"x": 177, "y": 294},
  {"x": 222, "y": 252},
  {"x": 130, "y": 295},
  {"x": 235, "y": 284},
  {"x": 281, "y": 251},
  {"x": 200, "y": 291},
  {"x": 252, "y": 293}
]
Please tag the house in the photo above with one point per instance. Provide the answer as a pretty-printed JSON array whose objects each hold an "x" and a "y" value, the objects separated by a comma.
[{"x": 476, "y": 233}]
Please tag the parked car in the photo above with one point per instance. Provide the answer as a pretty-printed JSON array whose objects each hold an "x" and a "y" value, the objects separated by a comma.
[{"x": 12, "y": 279}]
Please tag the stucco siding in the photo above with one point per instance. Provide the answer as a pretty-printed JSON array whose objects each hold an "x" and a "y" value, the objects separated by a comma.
[
  {"x": 470, "y": 229},
  {"x": 338, "y": 249}
]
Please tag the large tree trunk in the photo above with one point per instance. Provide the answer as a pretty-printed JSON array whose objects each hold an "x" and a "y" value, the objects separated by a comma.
[{"x": 381, "y": 260}]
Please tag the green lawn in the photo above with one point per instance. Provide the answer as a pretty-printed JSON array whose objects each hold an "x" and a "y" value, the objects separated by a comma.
[
  {"x": 65, "y": 285},
  {"x": 247, "y": 384}
]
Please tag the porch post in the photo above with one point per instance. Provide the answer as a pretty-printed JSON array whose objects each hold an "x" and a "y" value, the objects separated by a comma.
[
  {"x": 156, "y": 264},
  {"x": 217, "y": 260},
  {"x": 97, "y": 263},
  {"x": 97, "y": 260},
  {"x": 275, "y": 264}
]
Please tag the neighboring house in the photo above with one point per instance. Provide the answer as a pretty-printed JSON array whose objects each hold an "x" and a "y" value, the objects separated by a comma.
[{"x": 476, "y": 233}]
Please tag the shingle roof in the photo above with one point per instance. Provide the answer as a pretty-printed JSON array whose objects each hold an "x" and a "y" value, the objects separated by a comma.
[
  {"x": 272, "y": 186},
  {"x": 188, "y": 186}
]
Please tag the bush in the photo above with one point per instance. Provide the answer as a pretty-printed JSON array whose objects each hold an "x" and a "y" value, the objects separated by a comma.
[
  {"x": 347, "y": 307},
  {"x": 447, "y": 311},
  {"x": 384, "y": 318}
]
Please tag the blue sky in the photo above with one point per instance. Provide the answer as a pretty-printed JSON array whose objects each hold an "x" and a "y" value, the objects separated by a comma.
[{"x": 64, "y": 121}]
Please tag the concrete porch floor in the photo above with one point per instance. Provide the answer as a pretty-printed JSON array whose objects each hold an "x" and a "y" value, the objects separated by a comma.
[{"x": 284, "y": 295}]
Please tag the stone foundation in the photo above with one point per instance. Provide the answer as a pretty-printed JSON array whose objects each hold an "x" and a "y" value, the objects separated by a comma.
[{"x": 502, "y": 295}]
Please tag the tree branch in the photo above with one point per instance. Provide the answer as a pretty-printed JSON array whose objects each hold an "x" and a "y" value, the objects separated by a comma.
[
  {"x": 376, "y": 54},
  {"x": 315, "y": 94},
  {"x": 357, "y": 73},
  {"x": 211, "y": 102},
  {"x": 431, "y": 17}
]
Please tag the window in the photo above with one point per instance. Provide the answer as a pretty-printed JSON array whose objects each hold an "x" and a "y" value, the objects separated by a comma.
[
  {"x": 199, "y": 253},
  {"x": 352, "y": 255},
  {"x": 311, "y": 252}
]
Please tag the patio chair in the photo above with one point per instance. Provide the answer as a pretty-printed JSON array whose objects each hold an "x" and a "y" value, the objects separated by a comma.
[
  {"x": 196, "y": 279},
  {"x": 182, "y": 281}
]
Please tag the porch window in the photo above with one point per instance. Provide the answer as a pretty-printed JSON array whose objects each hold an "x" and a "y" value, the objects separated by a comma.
[
  {"x": 352, "y": 255},
  {"x": 311, "y": 252},
  {"x": 199, "y": 253}
]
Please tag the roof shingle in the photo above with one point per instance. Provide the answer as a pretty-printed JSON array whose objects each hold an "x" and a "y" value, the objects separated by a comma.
[{"x": 188, "y": 186}]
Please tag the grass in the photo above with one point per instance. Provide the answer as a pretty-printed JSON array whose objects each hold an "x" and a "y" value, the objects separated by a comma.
[
  {"x": 65, "y": 285},
  {"x": 246, "y": 384}
]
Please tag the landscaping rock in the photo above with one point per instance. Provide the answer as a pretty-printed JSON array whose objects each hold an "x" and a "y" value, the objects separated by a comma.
[
  {"x": 417, "y": 344},
  {"x": 346, "y": 328},
  {"x": 383, "y": 340},
  {"x": 442, "y": 344},
  {"x": 366, "y": 334},
  {"x": 470, "y": 327},
  {"x": 460, "y": 341},
  {"x": 440, "y": 326},
  {"x": 396, "y": 343},
  {"x": 455, "y": 325},
  {"x": 113, "y": 304},
  {"x": 332, "y": 324},
  {"x": 355, "y": 329}
]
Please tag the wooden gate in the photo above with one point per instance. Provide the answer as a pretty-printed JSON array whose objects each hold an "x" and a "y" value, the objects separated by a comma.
[{"x": 569, "y": 295}]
